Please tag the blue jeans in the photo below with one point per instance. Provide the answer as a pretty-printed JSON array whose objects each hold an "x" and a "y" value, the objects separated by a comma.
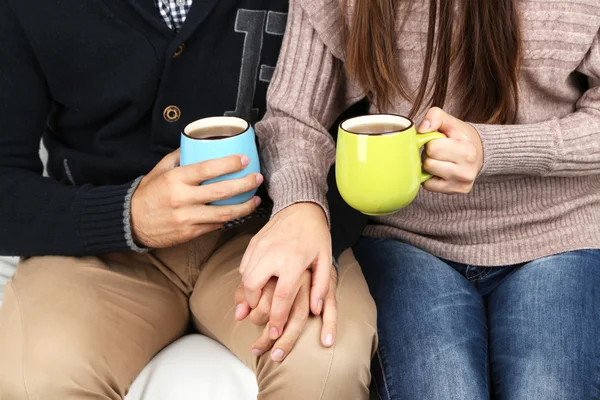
[{"x": 452, "y": 331}]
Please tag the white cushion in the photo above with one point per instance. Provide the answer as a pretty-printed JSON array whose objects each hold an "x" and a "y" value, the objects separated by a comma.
[
  {"x": 194, "y": 368},
  {"x": 7, "y": 268}
]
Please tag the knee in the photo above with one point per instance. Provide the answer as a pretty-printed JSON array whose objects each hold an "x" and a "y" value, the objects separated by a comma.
[
  {"x": 544, "y": 382},
  {"x": 50, "y": 369},
  {"x": 431, "y": 369},
  {"x": 349, "y": 373},
  {"x": 312, "y": 371},
  {"x": 343, "y": 371},
  {"x": 549, "y": 388}
]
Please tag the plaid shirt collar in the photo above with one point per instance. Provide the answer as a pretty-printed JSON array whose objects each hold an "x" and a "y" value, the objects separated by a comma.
[{"x": 174, "y": 12}]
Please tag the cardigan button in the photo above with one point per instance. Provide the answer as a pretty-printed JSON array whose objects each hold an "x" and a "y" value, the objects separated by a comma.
[
  {"x": 172, "y": 114},
  {"x": 179, "y": 50}
]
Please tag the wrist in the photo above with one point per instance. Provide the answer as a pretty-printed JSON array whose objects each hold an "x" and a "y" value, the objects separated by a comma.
[{"x": 306, "y": 207}]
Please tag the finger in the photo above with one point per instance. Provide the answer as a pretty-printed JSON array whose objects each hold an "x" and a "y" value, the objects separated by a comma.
[
  {"x": 294, "y": 327},
  {"x": 451, "y": 150},
  {"x": 320, "y": 284},
  {"x": 223, "y": 214},
  {"x": 203, "y": 229},
  {"x": 168, "y": 162},
  {"x": 442, "y": 169},
  {"x": 199, "y": 217},
  {"x": 440, "y": 185},
  {"x": 249, "y": 261},
  {"x": 247, "y": 257},
  {"x": 260, "y": 315},
  {"x": 433, "y": 120},
  {"x": 263, "y": 343},
  {"x": 226, "y": 189},
  {"x": 283, "y": 299},
  {"x": 253, "y": 297},
  {"x": 242, "y": 309},
  {"x": 330, "y": 313},
  {"x": 196, "y": 173},
  {"x": 251, "y": 255},
  {"x": 448, "y": 171},
  {"x": 255, "y": 280}
]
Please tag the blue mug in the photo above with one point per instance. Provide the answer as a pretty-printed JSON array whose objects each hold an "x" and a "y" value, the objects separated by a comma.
[{"x": 218, "y": 137}]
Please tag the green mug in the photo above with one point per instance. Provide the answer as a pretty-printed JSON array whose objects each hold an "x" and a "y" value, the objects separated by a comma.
[{"x": 378, "y": 162}]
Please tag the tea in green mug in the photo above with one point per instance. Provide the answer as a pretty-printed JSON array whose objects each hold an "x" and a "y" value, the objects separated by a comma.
[{"x": 378, "y": 162}]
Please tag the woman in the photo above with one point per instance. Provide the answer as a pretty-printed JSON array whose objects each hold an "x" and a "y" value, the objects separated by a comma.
[{"x": 487, "y": 284}]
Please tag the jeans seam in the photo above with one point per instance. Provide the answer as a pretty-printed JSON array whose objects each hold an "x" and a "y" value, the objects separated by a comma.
[
  {"x": 488, "y": 377},
  {"x": 487, "y": 271},
  {"x": 474, "y": 277},
  {"x": 14, "y": 289},
  {"x": 385, "y": 383},
  {"x": 338, "y": 290}
]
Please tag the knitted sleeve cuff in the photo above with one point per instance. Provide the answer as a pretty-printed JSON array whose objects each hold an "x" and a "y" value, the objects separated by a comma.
[
  {"x": 298, "y": 184},
  {"x": 105, "y": 218}
]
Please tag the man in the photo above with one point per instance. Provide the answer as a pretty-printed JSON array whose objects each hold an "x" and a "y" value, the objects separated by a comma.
[{"x": 119, "y": 244}]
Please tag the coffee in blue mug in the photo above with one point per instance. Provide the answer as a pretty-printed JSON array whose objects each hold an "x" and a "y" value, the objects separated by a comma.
[{"x": 218, "y": 137}]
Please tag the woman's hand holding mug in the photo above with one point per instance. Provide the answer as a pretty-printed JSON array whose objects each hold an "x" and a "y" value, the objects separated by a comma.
[
  {"x": 378, "y": 161},
  {"x": 454, "y": 161}
]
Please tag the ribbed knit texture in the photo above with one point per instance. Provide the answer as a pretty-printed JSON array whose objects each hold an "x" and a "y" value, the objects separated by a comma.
[
  {"x": 538, "y": 193},
  {"x": 105, "y": 218}
]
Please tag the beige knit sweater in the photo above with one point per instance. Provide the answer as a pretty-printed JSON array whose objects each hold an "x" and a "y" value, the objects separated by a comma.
[{"x": 539, "y": 190}]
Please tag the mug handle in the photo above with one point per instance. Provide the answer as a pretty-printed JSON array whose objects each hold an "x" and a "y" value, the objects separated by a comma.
[{"x": 422, "y": 140}]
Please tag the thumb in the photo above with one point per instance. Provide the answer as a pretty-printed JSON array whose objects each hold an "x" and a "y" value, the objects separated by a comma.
[
  {"x": 168, "y": 162},
  {"x": 438, "y": 120}
]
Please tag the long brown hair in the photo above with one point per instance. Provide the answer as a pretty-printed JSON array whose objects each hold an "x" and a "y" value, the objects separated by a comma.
[{"x": 486, "y": 57}]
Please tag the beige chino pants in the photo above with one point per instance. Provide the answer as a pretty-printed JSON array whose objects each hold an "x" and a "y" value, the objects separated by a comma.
[{"x": 83, "y": 328}]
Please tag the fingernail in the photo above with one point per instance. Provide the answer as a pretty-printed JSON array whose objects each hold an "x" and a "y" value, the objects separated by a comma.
[
  {"x": 245, "y": 161},
  {"x": 257, "y": 352},
  {"x": 329, "y": 340},
  {"x": 425, "y": 125},
  {"x": 273, "y": 333},
  {"x": 259, "y": 179},
  {"x": 319, "y": 307},
  {"x": 257, "y": 201},
  {"x": 277, "y": 355},
  {"x": 239, "y": 310}
]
